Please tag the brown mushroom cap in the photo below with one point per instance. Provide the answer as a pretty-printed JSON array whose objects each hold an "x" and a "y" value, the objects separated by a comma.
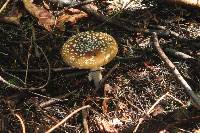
[{"x": 89, "y": 50}]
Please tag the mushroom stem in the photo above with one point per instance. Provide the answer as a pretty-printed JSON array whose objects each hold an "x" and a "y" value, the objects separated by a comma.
[{"x": 96, "y": 76}]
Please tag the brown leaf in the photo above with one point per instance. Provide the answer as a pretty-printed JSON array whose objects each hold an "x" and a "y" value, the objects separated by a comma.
[
  {"x": 13, "y": 17},
  {"x": 105, "y": 105},
  {"x": 121, "y": 106},
  {"x": 71, "y": 15},
  {"x": 107, "y": 90},
  {"x": 11, "y": 14},
  {"x": 45, "y": 18}
]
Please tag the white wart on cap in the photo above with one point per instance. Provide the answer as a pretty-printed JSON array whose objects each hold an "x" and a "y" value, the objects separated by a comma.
[{"x": 89, "y": 50}]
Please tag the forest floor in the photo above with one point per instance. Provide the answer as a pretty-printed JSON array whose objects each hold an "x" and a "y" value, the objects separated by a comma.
[{"x": 140, "y": 93}]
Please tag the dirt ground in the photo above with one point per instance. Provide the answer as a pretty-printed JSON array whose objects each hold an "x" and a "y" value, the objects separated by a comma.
[{"x": 133, "y": 81}]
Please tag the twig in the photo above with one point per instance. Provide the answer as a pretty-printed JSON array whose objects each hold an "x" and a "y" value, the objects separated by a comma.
[
  {"x": 85, "y": 123},
  {"x": 66, "y": 118},
  {"x": 57, "y": 99},
  {"x": 175, "y": 99},
  {"x": 108, "y": 74},
  {"x": 43, "y": 96},
  {"x": 153, "y": 106},
  {"x": 49, "y": 102},
  {"x": 172, "y": 67},
  {"x": 22, "y": 123},
  {"x": 4, "y": 5},
  {"x": 149, "y": 111},
  {"x": 39, "y": 70},
  {"x": 178, "y": 54}
]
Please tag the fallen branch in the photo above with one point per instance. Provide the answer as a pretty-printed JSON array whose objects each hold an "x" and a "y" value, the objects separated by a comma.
[
  {"x": 175, "y": 99},
  {"x": 66, "y": 118},
  {"x": 172, "y": 67}
]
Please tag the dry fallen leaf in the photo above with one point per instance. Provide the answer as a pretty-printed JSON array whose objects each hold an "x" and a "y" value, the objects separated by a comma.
[
  {"x": 71, "y": 15},
  {"x": 45, "y": 18},
  {"x": 13, "y": 17},
  {"x": 105, "y": 105},
  {"x": 107, "y": 90}
]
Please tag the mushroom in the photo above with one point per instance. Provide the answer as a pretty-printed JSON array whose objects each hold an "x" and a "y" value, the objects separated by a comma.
[{"x": 90, "y": 50}]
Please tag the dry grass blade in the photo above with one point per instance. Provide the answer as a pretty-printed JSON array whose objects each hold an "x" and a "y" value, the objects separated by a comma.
[
  {"x": 22, "y": 123},
  {"x": 31, "y": 88},
  {"x": 4, "y": 5},
  {"x": 85, "y": 123},
  {"x": 66, "y": 118}
]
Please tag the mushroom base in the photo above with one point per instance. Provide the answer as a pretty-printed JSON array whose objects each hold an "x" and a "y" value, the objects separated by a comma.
[{"x": 96, "y": 76}]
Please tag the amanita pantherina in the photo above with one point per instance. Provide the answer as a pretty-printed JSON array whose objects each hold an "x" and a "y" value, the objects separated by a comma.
[{"x": 90, "y": 50}]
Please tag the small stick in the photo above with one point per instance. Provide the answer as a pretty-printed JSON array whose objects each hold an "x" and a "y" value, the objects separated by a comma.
[
  {"x": 85, "y": 123},
  {"x": 39, "y": 70},
  {"x": 22, "y": 123},
  {"x": 55, "y": 100},
  {"x": 173, "y": 68},
  {"x": 175, "y": 99},
  {"x": 108, "y": 74},
  {"x": 49, "y": 102},
  {"x": 178, "y": 54},
  {"x": 149, "y": 111},
  {"x": 153, "y": 106},
  {"x": 66, "y": 118},
  {"x": 4, "y": 5}
]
